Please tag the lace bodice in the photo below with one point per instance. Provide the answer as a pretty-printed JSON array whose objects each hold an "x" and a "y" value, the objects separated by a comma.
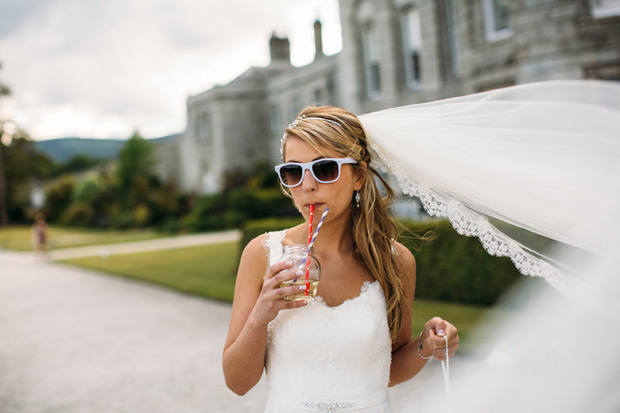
[{"x": 320, "y": 358}]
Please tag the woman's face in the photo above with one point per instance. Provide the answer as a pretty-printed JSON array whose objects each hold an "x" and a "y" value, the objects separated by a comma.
[{"x": 337, "y": 195}]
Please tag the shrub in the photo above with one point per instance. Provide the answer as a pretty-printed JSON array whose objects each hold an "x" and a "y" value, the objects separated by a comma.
[
  {"x": 456, "y": 268},
  {"x": 78, "y": 215},
  {"x": 141, "y": 215},
  {"x": 206, "y": 214},
  {"x": 58, "y": 197},
  {"x": 170, "y": 225},
  {"x": 164, "y": 204},
  {"x": 87, "y": 188},
  {"x": 121, "y": 219},
  {"x": 258, "y": 203}
]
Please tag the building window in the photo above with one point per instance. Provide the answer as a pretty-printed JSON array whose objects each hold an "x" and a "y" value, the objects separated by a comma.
[
  {"x": 371, "y": 62},
  {"x": 412, "y": 46},
  {"x": 294, "y": 108},
  {"x": 202, "y": 127},
  {"x": 605, "y": 8},
  {"x": 275, "y": 120},
  {"x": 603, "y": 71},
  {"x": 496, "y": 19},
  {"x": 330, "y": 86},
  {"x": 452, "y": 58},
  {"x": 318, "y": 96}
]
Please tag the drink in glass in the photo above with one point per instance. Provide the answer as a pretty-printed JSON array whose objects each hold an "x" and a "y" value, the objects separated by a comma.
[{"x": 298, "y": 255}]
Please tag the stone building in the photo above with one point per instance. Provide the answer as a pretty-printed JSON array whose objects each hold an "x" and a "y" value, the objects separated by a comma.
[{"x": 396, "y": 52}]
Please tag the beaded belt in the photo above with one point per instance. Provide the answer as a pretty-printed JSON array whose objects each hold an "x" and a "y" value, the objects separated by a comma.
[{"x": 327, "y": 406}]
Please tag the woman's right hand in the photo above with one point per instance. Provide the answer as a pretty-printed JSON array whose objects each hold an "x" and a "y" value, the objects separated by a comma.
[{"x": 271, "y": 298}]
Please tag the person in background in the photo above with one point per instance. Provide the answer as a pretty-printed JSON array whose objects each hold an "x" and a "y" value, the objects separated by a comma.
[{"x": 40, "y": 235}]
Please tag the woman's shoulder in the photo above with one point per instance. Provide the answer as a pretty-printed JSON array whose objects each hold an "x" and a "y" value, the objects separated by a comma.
[
  {"x": 260, "y": 246},
  {"x": 405, "y": 256},
  {"x": 255, "y": 249},
  {"x": 406, "y": 265},
  {"x": 401, "y": 250}
]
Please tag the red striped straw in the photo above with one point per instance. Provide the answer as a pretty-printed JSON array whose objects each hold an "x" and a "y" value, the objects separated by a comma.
[
  {"x": 311, "y": 244},
  {"x": 308, "y": 256}
]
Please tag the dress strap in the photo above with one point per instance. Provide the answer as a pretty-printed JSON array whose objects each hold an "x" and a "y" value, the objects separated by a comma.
[{"x": 273, "y": 246}]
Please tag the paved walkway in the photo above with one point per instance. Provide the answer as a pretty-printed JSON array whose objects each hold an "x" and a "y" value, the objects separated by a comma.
[
  {"x": 74, "y": 340},
  {"x": 147, "y": 245}
]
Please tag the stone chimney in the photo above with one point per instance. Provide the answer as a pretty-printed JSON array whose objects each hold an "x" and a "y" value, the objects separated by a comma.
[
  {"x": 318, "y": 40},
  {"x": 280, "y": 49}
]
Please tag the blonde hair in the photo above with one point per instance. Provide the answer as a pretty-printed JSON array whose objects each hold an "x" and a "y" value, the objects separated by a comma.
[{"x": 374, "y": 229}]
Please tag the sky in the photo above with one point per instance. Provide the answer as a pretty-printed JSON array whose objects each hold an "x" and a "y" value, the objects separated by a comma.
[{"x": 104, "y": 69}]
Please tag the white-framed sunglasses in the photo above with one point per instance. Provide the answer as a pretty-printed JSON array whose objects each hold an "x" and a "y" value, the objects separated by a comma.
[{"x": 324, "y": 170}]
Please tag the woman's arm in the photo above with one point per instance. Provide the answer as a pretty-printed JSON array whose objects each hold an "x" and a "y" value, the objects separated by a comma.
[
  {"x": 257, "y": 300},
  {"x": 406, "y": 359},
  {"x": 244, "y": 350},
  {"x": 406, "y": 362}
]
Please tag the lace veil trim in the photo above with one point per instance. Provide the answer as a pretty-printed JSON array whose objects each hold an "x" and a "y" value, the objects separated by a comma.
[
  {"x": 540, "y": 157},
  {"x": 467, "y": 222}
]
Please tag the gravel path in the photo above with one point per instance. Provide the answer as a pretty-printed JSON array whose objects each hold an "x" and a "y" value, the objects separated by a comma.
[
  {"x": 79, "y": 341},
  {"x": 147, "y": 245},
  {"x": 74, "y": 340}
]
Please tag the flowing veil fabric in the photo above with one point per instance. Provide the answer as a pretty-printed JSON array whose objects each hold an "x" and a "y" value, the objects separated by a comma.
[
  {"x": 543, "y": 159},
  {"x": 540, "y": 158}
]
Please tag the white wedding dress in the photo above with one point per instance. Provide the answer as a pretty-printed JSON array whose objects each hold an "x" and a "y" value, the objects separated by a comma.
[{"x": 329, "y": 359}]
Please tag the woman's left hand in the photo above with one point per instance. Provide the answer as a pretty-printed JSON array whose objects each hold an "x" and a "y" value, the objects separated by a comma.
[{"x": 433, "y": 340}]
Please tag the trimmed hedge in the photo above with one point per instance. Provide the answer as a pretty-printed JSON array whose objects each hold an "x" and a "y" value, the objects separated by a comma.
[
  {"x": 253, "y": 229},
  {"x": 450, "y": 267}
]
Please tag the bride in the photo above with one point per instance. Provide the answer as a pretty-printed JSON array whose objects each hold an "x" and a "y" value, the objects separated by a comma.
[
  {"x": 342, "y": 351},
  {"x": 536, "y": 159}
]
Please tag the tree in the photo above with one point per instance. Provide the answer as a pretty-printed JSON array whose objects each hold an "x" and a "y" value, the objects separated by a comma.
[
  {"x": 135, "y": 168},
  {"x": 22, "y": 164},
  {"x": 4, "y": 136},
  {"x": 58, "y": 197},
  {"x": 4, "y": 89},
  {"x": 77, "y": 163},
  {"x": 4, "y": 219}
]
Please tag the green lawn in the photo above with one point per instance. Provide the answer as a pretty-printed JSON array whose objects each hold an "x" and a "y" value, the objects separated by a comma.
[
  {"x": 19, "y": 237},
  {"x": 209, "y": 271},
  {"x": 464, "y": 317}
]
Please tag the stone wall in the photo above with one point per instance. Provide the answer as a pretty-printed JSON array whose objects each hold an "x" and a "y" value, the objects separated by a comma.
[{"x": 459, "y": 54}]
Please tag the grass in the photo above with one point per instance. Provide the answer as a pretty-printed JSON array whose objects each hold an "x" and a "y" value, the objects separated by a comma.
[
  {"x": 463, "y": 316},
  {"x": 209, "y": 271},
  {"x": 20, "y": 238}
]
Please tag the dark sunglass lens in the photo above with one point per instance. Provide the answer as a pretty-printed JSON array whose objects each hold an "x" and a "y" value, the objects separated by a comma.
[
  {"x": 326, "y": 170},
  {"x": 290, "y": 174}
]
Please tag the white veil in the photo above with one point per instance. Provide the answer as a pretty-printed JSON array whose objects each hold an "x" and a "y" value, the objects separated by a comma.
[
  {"x": 541, "y": 158},
  {"x": 535, "y": 159}
]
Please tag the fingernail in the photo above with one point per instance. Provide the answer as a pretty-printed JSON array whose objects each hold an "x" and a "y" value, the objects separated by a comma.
[
  {"x": 440, "y": 332},
  {"x": 289, "y": 263},
  {"x": 299, "y": 272},
  {"x": 302, "y": 287}
]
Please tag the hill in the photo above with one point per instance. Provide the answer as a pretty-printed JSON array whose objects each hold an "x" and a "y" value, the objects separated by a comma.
[{"x": 62, "y": 149}]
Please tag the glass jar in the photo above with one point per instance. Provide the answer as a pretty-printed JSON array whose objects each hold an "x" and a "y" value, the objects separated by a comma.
[{"x": 298, "y": 254}]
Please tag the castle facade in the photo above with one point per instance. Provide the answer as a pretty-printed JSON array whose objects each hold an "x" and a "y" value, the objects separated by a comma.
[{"x": 394, "y": 52}]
